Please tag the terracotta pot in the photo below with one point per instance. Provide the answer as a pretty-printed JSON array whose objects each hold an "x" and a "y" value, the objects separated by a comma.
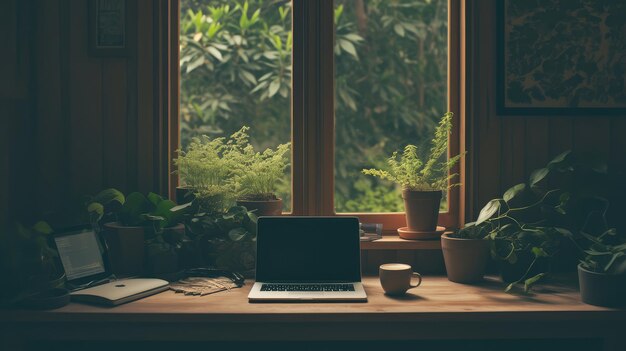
[
  {"x": 602, "y": 289},
  {"x": 465, "y": 259},
  {"x": 125, "y": 248},
  {"x": 263, "y": 208},
  {"x": 422, "y": 209}
]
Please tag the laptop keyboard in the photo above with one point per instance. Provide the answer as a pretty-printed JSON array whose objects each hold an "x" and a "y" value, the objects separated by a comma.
[{"x": 307, "y": 287}]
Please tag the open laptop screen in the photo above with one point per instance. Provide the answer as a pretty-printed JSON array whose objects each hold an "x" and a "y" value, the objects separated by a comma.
[
  {"x": 80, "y": 254},
  {"x": 308, "y": 249}
]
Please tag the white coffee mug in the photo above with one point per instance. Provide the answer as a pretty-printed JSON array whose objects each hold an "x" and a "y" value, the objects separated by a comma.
[{"x": 395, "y": 278}]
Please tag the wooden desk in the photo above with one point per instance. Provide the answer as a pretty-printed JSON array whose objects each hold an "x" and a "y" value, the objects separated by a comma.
[{"x": 438, "y": 310}]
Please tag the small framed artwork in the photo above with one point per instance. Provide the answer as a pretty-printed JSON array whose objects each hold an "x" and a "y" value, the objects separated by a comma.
[
  {"x": 108, "y": 28},
  {"x": 561, "y": 57}
]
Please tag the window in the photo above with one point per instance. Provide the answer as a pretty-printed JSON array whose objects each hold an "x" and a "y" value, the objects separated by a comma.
[{"x": 346, "y": 81}]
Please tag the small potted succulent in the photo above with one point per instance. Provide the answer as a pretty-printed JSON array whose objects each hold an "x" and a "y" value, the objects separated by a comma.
[
  {"x": 131, "y": 224},
  {"x": 602, "y": 272},
  {"x": 422, "y": 181},
  {"x": 256, "y": 174}
]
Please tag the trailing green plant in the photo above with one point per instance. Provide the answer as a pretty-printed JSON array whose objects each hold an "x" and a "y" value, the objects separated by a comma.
[
  {"x": 528, "y": 224},
  {"x": 606, "y": 253},
  {"x": 133, "y": 210},
  {"x": 28, "y": 260},
  {"x": 602, "y": 247},
  {"x": 224, "y": 240},
  {"x": 413, "y": 173},
  {"x": 256, "y": 174}
]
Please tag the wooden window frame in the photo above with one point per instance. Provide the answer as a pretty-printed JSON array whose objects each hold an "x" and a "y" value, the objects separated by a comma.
[{"x": 312, "y": 112}]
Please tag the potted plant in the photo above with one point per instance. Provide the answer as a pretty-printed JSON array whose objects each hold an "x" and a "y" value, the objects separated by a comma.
[
  {"x": 224, "y": 240},
  {"x": 602, "y": 272},
  {"x": 526, "y": 227},
  {"x": 466, "y": 253},
  {"x": 256, "y": 174},
  {"x": 131, "y": 224},
  {"x": 206, "y": 174},
  {"x": 422, "y": 181}
]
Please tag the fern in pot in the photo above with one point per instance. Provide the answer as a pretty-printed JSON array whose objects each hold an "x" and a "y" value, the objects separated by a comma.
[
  {"x": 257, "y": 174},
  {"x": 206, "y": 171},
  {"x": 422, "y": 181}
]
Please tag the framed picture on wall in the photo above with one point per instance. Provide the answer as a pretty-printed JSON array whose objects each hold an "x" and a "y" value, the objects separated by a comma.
[
  {"x": 561, "y": 57},
  {"x": 108, "y": 28}
]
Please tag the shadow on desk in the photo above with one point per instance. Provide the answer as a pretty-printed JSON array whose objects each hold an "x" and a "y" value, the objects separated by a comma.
[{"x": 382, "y": 345}]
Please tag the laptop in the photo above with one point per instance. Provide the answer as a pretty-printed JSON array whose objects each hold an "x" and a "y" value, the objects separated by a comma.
[
  {"x": 85, "y": 263},
  {"x": 308, "y": 259}
]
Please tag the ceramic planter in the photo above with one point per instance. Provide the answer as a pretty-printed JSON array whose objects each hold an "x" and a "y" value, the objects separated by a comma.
[
  {"x": 263, "y": 208},
  {"x": 125, "y": 248},
  {"x": 184, "y": 195},
  {"x": 602, "y": 289},
  {"x": 422, "y": 209},
  {"x": 465, "y": 259}
]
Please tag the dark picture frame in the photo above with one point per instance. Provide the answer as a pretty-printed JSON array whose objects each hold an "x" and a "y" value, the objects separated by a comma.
[
  {"x": 108, "y": 28},
  {"x": 545, "y": 58}
]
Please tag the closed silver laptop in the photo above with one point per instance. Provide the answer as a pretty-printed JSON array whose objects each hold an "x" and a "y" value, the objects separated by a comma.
[{"x": 308, "y": 258}]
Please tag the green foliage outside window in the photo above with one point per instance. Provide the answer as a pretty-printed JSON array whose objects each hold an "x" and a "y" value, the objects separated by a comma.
[{"x": 390, "y": 82}]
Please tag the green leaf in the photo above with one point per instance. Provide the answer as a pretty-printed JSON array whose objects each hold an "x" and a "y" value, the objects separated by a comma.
[
  {"x": 42, "y": 227},
  {"x": 237, "y": 234},
  {"x": 215, "y": 52},
  {"x": 528, "y": 283},
  {"x": 563, "y": 232},
  {"x": 96, "y": 211},
  {"x": 155, "y": 199},
  {"x": 109, "y": 195},
  {"x": 181, "y": 207},
  {"x": 514, "y": 191},
  {"x": 348, "y": 47},
  {"x": 538, "y": 175},
  {"x": 509, "y": 287},
  {"x": 195, "y": 64},
  {"x": 539, "y": 252},
  {"x": 274, "y": 86},
  {"x": 488, "y": 211},
  {"x": 399, "y": 29}
]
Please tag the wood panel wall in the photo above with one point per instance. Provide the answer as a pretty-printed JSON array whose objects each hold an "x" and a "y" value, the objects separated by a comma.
[
  {"x": 503, "y": 150},
  {"x": 84, "y": 123}
]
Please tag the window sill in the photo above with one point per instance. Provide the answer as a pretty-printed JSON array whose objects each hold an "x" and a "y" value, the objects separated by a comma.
[{"x": 394, "y": 242}]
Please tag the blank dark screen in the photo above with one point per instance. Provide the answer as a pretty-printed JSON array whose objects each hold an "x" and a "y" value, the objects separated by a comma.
[{"x": 308, "y": 249}]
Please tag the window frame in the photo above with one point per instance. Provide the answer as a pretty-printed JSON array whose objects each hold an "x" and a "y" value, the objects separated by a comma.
[{"x": 313, "y": 113}]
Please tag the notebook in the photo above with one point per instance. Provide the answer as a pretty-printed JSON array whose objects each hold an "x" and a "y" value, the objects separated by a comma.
[
  {"x": 308, "y": 258},
  {"x": 85, "y": 263}
]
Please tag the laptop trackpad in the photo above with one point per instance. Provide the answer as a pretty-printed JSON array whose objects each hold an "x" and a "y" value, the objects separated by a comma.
[{"x": 306, "y": 293}]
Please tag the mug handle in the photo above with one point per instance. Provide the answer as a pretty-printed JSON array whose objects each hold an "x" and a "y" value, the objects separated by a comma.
[{"x": 419, "y": 280}]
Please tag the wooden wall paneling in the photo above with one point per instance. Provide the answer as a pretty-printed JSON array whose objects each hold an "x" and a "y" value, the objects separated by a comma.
[
  {"x": 51, "y": 132},
  {"x": 429, "y": 262},
  {"x": 145, "y": 107},
  {"x": 617, "y": 170},
  {"x": 132, "y": 83},
  {"x": 486, "y": 155},
  {"x": 85, "y": 80},
  {"x": 513, "y": 155},
  {"x": 591, "y": 136},
  {"x": 5, "y": 114},
  {"x": 377, "y": 257},
  {"x": 406, "y": 257},
  {"x": 114, "y": 128},
  {"x": 537, "y": 143}
]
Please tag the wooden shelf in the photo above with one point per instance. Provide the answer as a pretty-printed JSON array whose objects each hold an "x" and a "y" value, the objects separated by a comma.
[{"x": 394, "y": 242}]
